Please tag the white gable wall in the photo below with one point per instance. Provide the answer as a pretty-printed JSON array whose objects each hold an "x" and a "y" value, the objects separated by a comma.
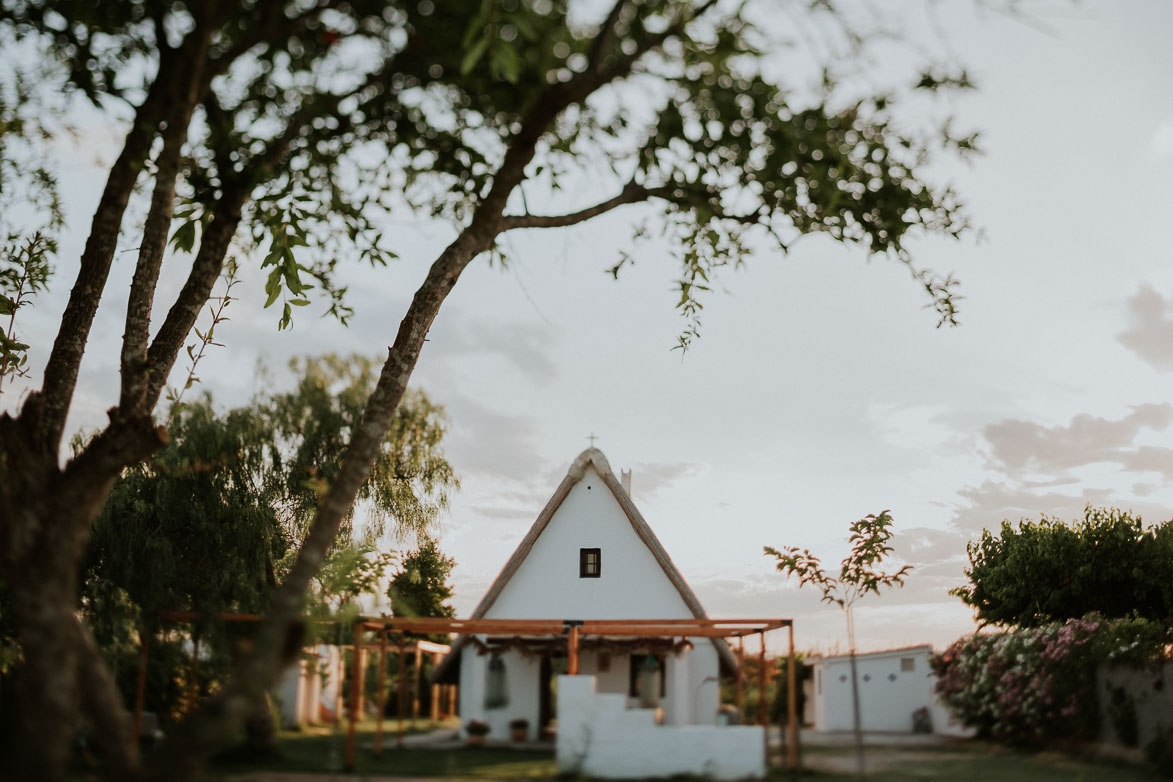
[
  {"x": 632, "y": 585},
  {"x": 547, "y": 584}
]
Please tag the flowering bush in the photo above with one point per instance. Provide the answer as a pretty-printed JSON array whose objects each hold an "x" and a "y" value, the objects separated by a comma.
[{"x": 1029, "y": 685}]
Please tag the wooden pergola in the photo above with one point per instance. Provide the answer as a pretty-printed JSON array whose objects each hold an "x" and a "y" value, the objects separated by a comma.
[
  {"x": 574, "y": 630},
  {"x": 403, "y": 646}
]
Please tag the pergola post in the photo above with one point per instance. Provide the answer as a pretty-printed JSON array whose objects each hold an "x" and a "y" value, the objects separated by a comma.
[
  {"x": 140, "y": 688},
  {"x": 402, "y": 693},
  {"x": 572, "y": 652},
  {"x": 415, "y": 686},
  {"x": 762, "y": 708},
  {"x": 740, "y": 678},
  {"x": 355, "y": 675},
  {"x": 382, "y": 693},
  {"x": 791, "y": 705},
  {"x": 434, "y": 701}
]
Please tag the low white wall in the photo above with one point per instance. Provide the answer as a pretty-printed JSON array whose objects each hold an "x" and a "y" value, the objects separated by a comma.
[{"x": 598, "y": 736}]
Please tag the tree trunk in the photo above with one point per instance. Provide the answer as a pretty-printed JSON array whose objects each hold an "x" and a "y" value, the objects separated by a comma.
[
  {"x": 46, "y": 683},
  {"x": 856, "y": 722},
  {"x": 260, "y": 733}
]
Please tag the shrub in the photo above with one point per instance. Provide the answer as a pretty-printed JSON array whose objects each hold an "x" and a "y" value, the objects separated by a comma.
[
  {"x": 477, "y": 728},
  {"x": 1031, "y": 685}
]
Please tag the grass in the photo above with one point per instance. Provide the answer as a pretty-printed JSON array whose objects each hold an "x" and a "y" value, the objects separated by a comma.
[
  {"x": 322, "y": 751},
  {"x": 969, "y": 762}
]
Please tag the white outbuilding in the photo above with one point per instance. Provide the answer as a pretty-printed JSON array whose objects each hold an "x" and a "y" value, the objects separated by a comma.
[{"x": 896, "y": 693}]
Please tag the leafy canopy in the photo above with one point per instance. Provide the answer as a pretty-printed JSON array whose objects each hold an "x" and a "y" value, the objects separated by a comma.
[
  {"x": 421, "y": 587},
  {"x": 1035, "y": 573},
  {"x": 209, "y": 523},
  {"x": 676, "y": 103}
]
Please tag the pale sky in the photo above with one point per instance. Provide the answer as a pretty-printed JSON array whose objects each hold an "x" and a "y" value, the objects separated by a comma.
[{"x": 820, "y": 390}]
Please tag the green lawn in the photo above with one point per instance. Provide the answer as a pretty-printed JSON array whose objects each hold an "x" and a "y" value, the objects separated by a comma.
[
  {"x": 321, "y": 751},
  {"x": 968, "y": 762}
]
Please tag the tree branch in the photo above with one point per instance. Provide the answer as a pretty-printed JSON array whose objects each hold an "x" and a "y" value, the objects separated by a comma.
[
  {"x": 608, "y": 31},
  {"x": 134, "y": 367},
  {"x": 65, "y": 357},
  {"x": 205, "y": 270},
  {"x": 631, "y": 194}
]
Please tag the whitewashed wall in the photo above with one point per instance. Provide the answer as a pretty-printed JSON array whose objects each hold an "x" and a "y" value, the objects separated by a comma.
[
  {"x": 887, "y": 695},
  {"x": 300, "y": 688},
  {"x": 598, "y": 736},
  {"x": 632, "y": 585},
  {"x": 522, "y": 680}
]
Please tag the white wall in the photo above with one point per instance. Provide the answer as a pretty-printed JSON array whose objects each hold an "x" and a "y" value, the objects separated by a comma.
[
  {"x": 547, "y": 585},
  {"x": 522, "y": 680},
  {"x": 887, "y": 695},
  {"x": 598, "y": 736}
]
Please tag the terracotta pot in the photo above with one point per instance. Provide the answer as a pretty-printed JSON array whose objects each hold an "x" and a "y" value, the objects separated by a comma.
[
  {"x": 476, "y": 740},
  {"x": 519, "y": 734}
]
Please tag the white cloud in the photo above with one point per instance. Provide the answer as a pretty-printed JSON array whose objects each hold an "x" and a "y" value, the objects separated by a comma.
[
  {"x": 1024, "y": 446},
  {"x": 1150, "y": 331}
]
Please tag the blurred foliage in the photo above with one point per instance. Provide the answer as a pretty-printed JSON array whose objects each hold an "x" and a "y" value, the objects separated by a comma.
[
  {"x": 31, "y": 215},
  {"x": 1029, "y": 685},
  {"x": 1040, "y": 572},
  {"x": 421, "y": 586},
  {"x": 334, "y": 118},
  {"x": 210, "y": 524}
]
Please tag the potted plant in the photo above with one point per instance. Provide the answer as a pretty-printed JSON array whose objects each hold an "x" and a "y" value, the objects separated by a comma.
[
  {"x": 476, "y": 732},
  {"x": 519, "y": 729}
]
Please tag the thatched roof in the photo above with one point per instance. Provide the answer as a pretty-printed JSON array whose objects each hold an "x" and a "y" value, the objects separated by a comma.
[{"x": 592, "y": 457}]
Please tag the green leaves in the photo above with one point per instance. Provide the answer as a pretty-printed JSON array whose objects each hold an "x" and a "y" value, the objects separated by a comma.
[
  {"x": 498, "y": 32},
  {"x": 286, "y": 229},
  {"x": 24, "y": 272},
  {"x": 1037, "y": 572},
  {"x": 859, "y": 572}
]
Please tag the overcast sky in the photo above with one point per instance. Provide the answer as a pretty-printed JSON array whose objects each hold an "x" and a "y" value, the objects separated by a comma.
[{"x": 820, "y": 390}]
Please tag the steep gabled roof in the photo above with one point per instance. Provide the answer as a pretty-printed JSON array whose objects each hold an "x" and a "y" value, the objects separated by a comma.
[{"x": 592, "y": 457}]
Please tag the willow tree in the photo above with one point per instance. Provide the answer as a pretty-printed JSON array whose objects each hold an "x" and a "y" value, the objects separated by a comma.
[
  {"x": 208, "y": 523},
  {"x": 281, "y": 130}
]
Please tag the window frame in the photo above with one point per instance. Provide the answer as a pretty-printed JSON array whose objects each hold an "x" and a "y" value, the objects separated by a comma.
[{"x": 584, "y": 570}]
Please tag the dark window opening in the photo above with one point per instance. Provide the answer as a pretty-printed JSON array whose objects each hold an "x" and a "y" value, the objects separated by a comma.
[
  {"x": 635, "y": 665},
  {"x": 590, "y": 562}
]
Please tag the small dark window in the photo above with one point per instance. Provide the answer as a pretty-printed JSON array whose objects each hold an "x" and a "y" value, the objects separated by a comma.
[{"x": 590, "y": 562}]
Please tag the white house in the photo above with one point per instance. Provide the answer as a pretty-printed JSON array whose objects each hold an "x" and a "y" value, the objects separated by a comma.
[
  {"x": 590, "y": 555},
  {"x": 893, "y": 685}
]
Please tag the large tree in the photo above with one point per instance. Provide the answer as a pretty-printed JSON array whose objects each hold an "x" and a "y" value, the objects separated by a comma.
[
  {"x": 301, "y": 120},
  {"x": 1038, "y": 572}
]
